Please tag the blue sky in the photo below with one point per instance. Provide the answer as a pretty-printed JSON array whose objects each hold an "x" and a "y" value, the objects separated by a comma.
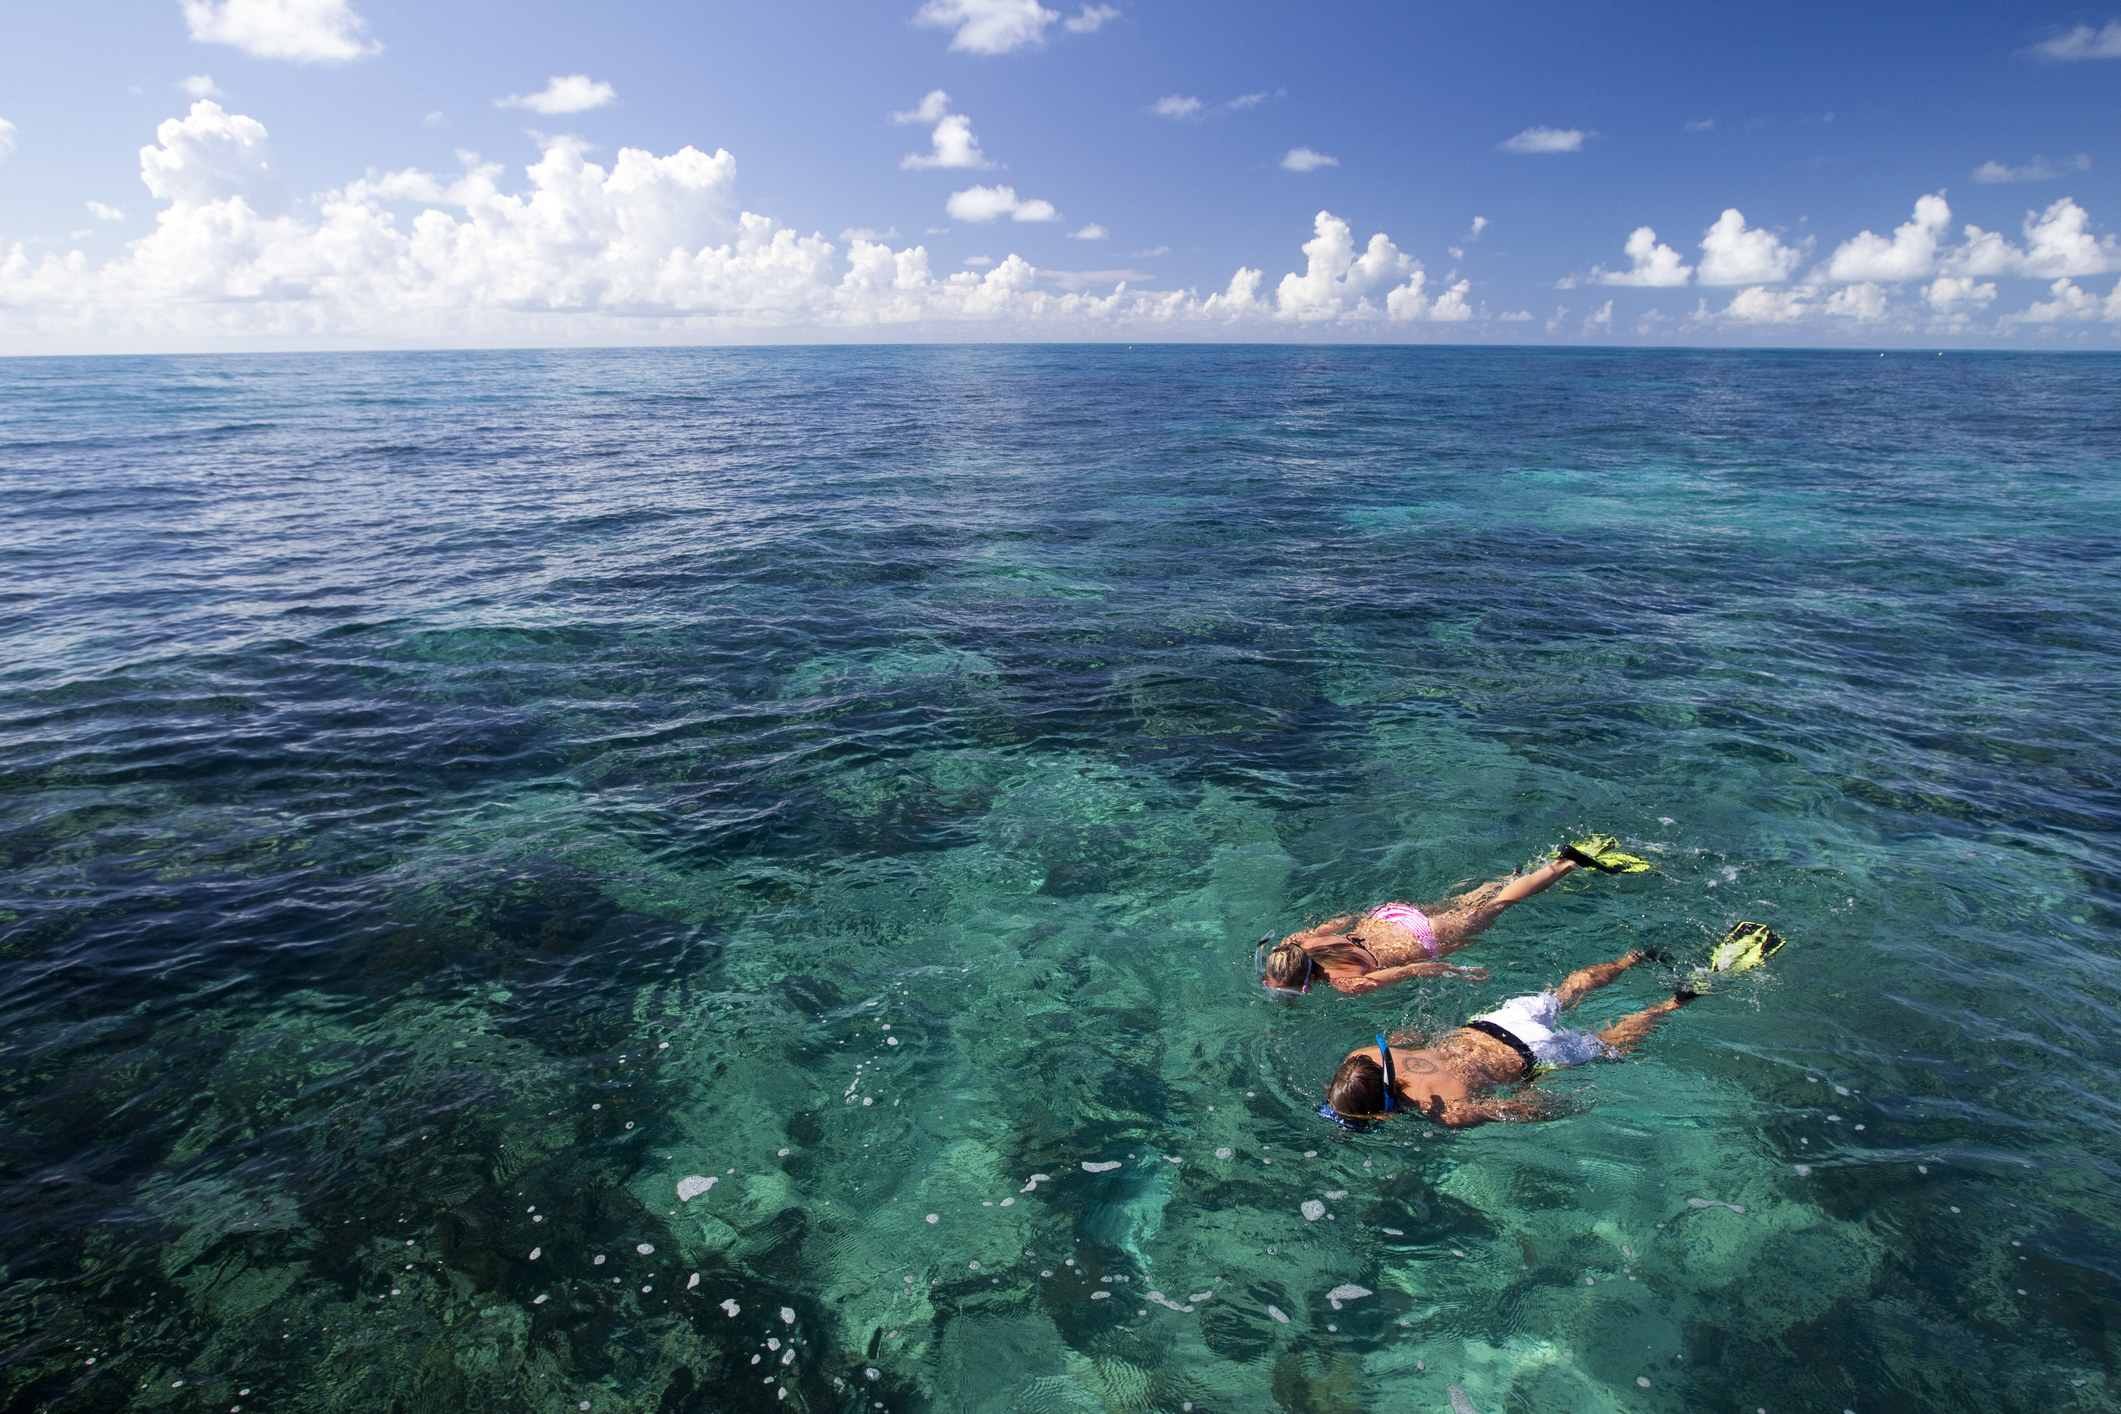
[{"x": 370, "y": 172}]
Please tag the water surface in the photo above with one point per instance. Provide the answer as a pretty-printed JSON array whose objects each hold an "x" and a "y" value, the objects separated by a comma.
[{"x": 447, "y": 800}]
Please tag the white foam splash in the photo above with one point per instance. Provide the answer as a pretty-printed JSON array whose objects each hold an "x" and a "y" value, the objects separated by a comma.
[
  {"x": 1199, "y": 1296},
  {"x": 1222, "y": 1153},
  {"x": 534, "y": 1252},
  {"x": 1106, "y": 1167},
  {"x": 1714, "y": 1203},
  {"x": 1162, "y": 1300},
  {"x": 645, "y": 1248},
  {"x": 1459, "y": 1403},
  {"x": 1393, "y": 1231},
  {"x": 732, "y": 1308},
  {"x": 694, "y": 1282},
  {"x": 1346, "y": 1291},
  {"x": 1313, "y": 1210},
  {"x": 693, "y": 1185},
  {"x": 1276, "y": 1313},
  {"x": 1036, "y": 1180},
  {"x": 1100, "y": 1295},
  {"x": 1337, "y": 1194}
]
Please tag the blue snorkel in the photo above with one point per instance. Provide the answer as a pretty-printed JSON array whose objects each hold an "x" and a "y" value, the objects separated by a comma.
[{"x": 1367, "y": 1126}]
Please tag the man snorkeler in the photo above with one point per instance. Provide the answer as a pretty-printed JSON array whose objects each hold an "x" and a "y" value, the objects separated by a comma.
[
  {"x": 1361, "y": 952},
  {"x": 1453, "y": 1082}
]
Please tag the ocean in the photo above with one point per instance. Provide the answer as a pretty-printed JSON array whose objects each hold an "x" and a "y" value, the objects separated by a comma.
[{"x": 689, "y": 880}]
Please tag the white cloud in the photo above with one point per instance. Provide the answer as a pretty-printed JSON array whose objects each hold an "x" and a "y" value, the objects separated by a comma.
[
  {"x": 1176, "y": 105},
  {"x": 1863, "y": 302},
  {"x": 646, "y": 247},
  {"x": 1700, "y": 125},
  {"x": 1599, "y": 321},
  {"x": 1516, "y": 316},
  {"x": 2037, "y": 170},
  {"x": 1303, "y": 159},
  {"x": 1091, "y": 19},
  {"x": 1948, "y": 294},
  {"x": 1910, "y": 255},
  {"x": 2083, "y": 42},
  {"x": 931, "y": 109},
  {"x": 569, "y": 93},
  {"x": 1761, "y": 305},
  {"x": 1152, "y": 251},
  {"x": 201, "y": 86},
  {"x": 1546, "y": 140},
  {"x": 992, "y": 203},
  {"x": 105, "y": 213},
  {"x": 1247, "y": 100},
  {"x": 1480, "y": 223},
  {"x": 7, "y": 138},
  {"x": 989, "y": 26},
  {"x": 1733, "y": 255},
  {"x": 211, "y": 156},
  {"x": 2058, "y": 243},
  {"x": 308, "y": 31},
  {"x": 1091, "y": 232},
  {"x": 1083, "y": 279},
  {"x": 2069, "y": 304},
  {"x": 1654, "y": 265},
  {"x": 954, "y": 146}
]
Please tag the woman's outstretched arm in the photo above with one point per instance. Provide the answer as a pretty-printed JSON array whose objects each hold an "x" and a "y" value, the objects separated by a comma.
[{"x": 1386, "y": 976}]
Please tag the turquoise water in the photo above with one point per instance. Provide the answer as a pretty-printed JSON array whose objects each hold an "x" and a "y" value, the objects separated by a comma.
[{"x": 446, "y": 801}]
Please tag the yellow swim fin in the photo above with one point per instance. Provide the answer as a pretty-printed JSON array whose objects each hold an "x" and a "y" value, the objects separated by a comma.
[
  {"x": 1744, "y": 948},
  {"x": 1602, "y": 852}
]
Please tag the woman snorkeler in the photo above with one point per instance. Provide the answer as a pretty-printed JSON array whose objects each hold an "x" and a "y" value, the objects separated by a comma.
[{"x": 1361, "y": 952}]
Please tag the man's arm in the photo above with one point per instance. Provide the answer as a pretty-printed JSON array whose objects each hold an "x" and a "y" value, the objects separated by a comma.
[{"x": 1525, "y": 1109}]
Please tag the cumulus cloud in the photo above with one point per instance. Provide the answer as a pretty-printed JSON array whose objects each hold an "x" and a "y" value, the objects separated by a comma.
[
  {"x": 2083, "y": 42},
  {"x": 1091, "y": 232},
  {"x": 1090, "y": 19},
  {"x": 7, "y": 138},
  {"x": 2058, "y": 243},
  {"x": 933, "y": 106},
  {"x": 307, "y": 31},
  {"x": 1480, "y": 223},
  {"x": 1733, "y": 254},
  {"x": 1247, "y": 100},
  {"x": 989, "y": 26},
  {"x": 2068, "y": 303},
  {"x": 993, "y": 203},
  {"x": 201, "y": 86},
  {"x": 1546, "y": 140},
  {"x": 1864, "y": 302},
  {"x": 1952, "y": 294},
  {"x": 2037, "y": 170},
  {"x": 105, "y": 213},
  {"x": 568, "y": 93},
  {"x": 1911, "y": 254},
  {"x": 1177, "y": 105},
  {"x": 648, "y": 247},
  {"x": 953, "y": 144},
  {"x": 1653, "y": 265},
  {"x": 1303, "y": 159},
  {"x": 1761, "y": 305}
]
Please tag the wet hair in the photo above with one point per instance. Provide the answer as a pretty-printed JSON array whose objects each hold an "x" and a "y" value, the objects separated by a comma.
[
  {"x": 1293, "y": 965},
  {"x": 1288, "y": 966},
  {"x": 1358, "y": 1088}
]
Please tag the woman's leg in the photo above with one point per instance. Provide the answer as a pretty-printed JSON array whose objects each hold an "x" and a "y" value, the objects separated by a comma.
[
  {"x": 1472, "y": 914},
  {"x": 1586, "y": 980}
]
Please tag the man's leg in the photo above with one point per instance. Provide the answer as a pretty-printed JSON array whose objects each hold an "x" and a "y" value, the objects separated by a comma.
[
  {"x": 1584, "y": 981},
  {"x": 1624, "y": 1033}
]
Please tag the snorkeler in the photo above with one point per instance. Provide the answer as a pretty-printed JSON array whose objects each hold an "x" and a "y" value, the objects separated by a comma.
[
  {"x": 1360, "y": 952},
  {"x": 1452, "y": 1083}
]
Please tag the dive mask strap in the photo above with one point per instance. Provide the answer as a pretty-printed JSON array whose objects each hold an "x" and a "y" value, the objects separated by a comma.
[{"x": 1384, "y": 1058}]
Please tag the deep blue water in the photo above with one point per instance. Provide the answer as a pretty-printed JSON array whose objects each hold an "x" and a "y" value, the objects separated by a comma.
[{"x": 448, "y": 799}]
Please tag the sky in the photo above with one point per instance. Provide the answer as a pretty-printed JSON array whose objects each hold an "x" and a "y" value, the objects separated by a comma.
[{"x": 208, "y": 174}]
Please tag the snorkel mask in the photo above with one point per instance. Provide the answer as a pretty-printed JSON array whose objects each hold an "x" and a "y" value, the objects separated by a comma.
[
  {"x": 1368, "y": 1126},
  {"x": 1287, "y": 996}
]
